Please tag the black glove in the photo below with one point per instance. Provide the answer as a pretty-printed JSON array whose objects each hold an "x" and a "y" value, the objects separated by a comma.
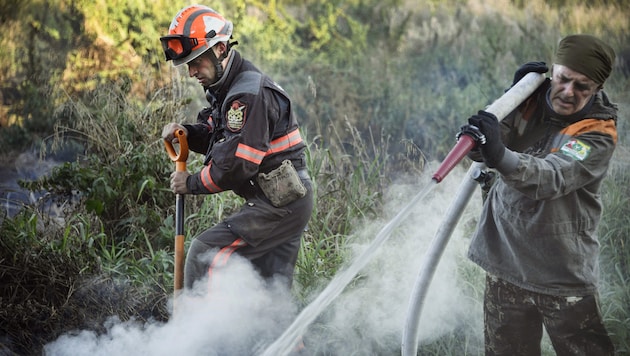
[
  {"x": 494, "y": 149},
  {"x": 538, "y": 67}
]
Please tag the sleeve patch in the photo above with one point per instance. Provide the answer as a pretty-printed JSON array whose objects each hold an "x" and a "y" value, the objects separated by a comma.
[
  {"x": 236, "y": 116},
  {"x": 576, "y": 149}
]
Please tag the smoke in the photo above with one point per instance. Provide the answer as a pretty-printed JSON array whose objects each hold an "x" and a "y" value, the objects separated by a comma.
[
  {"x": 241, "y": 312},
  {"x": 244, "y": 314},
  {"x": 369, "y": 317}
]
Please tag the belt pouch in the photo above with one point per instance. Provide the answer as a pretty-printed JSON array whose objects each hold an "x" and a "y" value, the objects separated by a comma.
[{"x": 282, "y": 185}]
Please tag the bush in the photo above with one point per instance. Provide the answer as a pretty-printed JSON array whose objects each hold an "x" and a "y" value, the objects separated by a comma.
[{"x": 379, "y": 87}]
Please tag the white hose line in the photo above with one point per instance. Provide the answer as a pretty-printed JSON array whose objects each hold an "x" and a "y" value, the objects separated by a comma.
[{"x": 500, "y": 108}]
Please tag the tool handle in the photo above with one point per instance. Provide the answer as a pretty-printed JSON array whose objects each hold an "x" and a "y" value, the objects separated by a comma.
[
  {"x": 178, "y": 157},
  {"x": 178, "y": 278}
]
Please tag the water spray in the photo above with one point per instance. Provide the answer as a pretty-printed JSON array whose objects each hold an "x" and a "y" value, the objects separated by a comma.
[{"x": 468, "y": 138}]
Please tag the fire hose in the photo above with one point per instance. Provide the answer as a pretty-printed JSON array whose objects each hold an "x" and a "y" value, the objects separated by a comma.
[
  {"x": 180, "y": 166},
  {"x": 468, "y": 138}
]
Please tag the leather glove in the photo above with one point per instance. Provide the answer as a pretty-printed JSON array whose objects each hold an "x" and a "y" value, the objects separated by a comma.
[
  {"x": 178, "y": 182},
  {"x": 168, "y": 132},
  {"x": 494, "y": 149},
  {"x": 538, "y": 67}
]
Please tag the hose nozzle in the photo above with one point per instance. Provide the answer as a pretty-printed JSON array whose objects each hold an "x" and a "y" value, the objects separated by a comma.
[{"x": 468, "y": 138}]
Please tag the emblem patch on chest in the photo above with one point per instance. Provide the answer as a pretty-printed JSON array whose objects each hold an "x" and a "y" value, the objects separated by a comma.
[
  {"x": 576, "y": 149},
  {"x": 236, "y": 116}
]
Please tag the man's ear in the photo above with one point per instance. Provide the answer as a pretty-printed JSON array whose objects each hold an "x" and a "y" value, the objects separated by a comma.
[{"x": 221, "y": 47}]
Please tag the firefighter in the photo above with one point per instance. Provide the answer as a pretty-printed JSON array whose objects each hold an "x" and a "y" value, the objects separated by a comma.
[
  {"x": 536, "y": 237},
  {"x": 252, "y": 146}
]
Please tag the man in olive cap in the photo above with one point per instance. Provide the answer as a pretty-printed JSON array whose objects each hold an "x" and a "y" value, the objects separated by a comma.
[{"x": 536, "y": 237}]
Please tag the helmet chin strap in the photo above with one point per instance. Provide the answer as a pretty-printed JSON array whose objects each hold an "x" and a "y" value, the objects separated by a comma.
[{"x": 216, "y": 61}]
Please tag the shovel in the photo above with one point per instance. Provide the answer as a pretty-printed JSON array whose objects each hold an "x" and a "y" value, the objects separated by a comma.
[{"x": 180, "y": 166}]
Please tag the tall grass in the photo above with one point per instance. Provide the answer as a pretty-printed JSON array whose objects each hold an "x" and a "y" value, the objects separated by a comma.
[
  {"x": 107, "y": 260},
  {"x": 615, "y": 252},
  {"x": 113, "y": 253}
]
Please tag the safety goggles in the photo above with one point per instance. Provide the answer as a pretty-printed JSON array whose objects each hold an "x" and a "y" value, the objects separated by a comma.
[{"x": 178, "y": 46}]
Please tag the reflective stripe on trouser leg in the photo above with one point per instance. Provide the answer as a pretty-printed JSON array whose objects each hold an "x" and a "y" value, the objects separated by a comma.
[{"x": 222, "y": 257}]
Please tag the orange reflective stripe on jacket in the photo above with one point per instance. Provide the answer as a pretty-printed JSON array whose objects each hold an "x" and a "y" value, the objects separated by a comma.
[
  {"x": 280, "y": 144},
  {"x": 207, "y": 181},
  {"x": 249, "y": 154},
  {"x": 285, "y": 142}
]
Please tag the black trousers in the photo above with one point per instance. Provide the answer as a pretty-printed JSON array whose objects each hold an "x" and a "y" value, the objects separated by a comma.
[
  {"x": 514, "y": 318},
  {"x": 268, "y": 236}
]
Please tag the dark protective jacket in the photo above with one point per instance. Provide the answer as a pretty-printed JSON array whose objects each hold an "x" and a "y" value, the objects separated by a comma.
[
  {"x": 247, "y": 129},
  {"x": 538, "y": 226}
]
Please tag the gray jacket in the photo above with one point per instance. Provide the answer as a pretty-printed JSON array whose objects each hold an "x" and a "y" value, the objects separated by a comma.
[{"x": 538, "y": 226}]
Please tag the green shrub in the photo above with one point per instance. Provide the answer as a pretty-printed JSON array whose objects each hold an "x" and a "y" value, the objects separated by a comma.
[
  {"x": 615, "y": 253},
  {"x": 379, "y": 87}
]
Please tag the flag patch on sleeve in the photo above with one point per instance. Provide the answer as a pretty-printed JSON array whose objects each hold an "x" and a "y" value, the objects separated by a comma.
[{"x": 576, "y": 149}]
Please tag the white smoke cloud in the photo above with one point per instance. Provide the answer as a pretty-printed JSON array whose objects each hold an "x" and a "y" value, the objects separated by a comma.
[
  {"x": 233, "y": 319},
  {"x": 370, "y": 316},
  {"x": 246, "y": 314}
]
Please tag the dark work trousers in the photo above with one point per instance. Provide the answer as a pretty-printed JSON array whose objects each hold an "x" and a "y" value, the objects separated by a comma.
[
  {"x": 268, "y": 236},
  {"x": 514, "y": 318}
]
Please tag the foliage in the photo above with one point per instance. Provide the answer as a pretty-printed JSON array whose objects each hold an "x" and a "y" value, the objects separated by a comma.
[
  {"x": 380, "y": 87},
  {"x": 55, "y": 280},
  {"x": 615, "y": 253},
  {"x": 354, "y": 176},
  {"x": 39, "y": 268},
  {"x": 320, "y": 51},
  {"x": 120, "y": 161}
]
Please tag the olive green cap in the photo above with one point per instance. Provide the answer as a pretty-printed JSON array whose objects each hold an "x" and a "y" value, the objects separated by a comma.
[{"x": 588, "y": 55}]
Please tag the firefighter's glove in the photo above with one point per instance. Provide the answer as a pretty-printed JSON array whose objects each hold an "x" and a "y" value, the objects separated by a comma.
[
  {"x": 494, "y": 149},
  {"x": 168, "y": 132},
  {"x": 538, "y": 67},
  {"x": 178, "y": 182}
]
